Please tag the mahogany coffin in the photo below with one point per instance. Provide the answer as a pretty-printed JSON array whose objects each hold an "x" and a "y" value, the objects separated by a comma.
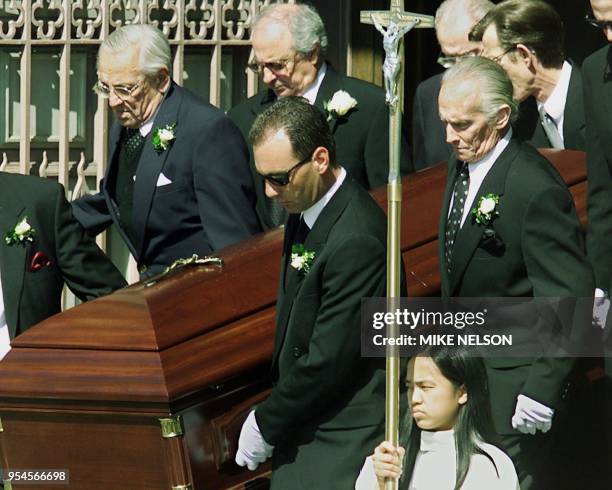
[{"x": 85, "y": 390}]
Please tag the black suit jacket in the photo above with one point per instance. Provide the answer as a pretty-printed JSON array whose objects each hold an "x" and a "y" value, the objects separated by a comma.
[
  {"x": 324, "y": 391},
  {"x": 529, "y": 127},
  {"x": 428, "y": 134},
  {"x": 539, "y": 254},
  {"x": 597, "y": 70},
  {"x": 362, "y": 136},
  {"x": 209, "y": 203},
  {"x": 75, "y": 259}
]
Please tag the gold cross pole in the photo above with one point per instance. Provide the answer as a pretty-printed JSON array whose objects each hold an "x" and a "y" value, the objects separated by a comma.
[{"x": 397, "y": 23}]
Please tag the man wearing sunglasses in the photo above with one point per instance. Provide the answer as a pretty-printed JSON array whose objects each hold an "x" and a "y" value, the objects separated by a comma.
[
  {"x": 326, "y": 409},
  {"x": 453, "y": 22},
  {"x": 178, "y": 181},
  {"x": 526, "y": 38},
  {"x": 289, "y": 44}
]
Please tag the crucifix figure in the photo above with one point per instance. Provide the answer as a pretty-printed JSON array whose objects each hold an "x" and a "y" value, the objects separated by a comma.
[{"x": 393, "y": 24}]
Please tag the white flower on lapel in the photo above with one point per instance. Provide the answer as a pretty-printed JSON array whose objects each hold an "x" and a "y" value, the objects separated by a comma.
[
  {"x": 301, "y": 259},
  {"x": 23, "y": 232},
  {"x": 339, "y": 105},
  {"x": 163, "y": 137},
  {"x": 486, "y": 211}
]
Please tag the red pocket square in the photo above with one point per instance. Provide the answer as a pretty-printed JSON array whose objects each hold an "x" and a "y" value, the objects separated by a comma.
[{"x": 39, "y": 260}]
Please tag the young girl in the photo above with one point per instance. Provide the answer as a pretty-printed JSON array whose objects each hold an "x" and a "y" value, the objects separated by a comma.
[{"x": 447, "y": 431}]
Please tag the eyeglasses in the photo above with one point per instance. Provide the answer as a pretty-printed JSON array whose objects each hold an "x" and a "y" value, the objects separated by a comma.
[
  {"x": 499, "y": 57},
  {"x": 283, "y": 178},
  {"x": 274, "y": 66},
  {"x": 123, "y": 92},
  {"x": 448, "y": 61},
  {"x": 600, "y": 24}
]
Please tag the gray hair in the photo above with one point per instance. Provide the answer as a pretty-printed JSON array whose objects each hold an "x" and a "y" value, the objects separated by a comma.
[
  {"x": 489, "y": 80},
  {"x": 154, "y": 47},
  {"x": 303, "y": 23},
  {"x": 450, "y": 10}
]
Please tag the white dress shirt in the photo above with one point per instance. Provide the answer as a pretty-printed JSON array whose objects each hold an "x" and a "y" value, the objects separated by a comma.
[
  {"x": 436, "y": 465},
  {"x": 478, "y": 171},
  {"x": 555, "y": 104},
  {"x": 311, "y": 92}
]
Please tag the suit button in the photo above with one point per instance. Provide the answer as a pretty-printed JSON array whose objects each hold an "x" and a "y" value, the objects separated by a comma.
[
  {"x": 297, "y": 352},
  {"x": 142, "y": 269}
]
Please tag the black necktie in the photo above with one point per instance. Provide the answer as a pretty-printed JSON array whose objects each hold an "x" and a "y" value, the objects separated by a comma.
[
  {"x": 129, "y": 156},
  {"x": 301, "y": 231},
  {"x": 453, "y": 222}
]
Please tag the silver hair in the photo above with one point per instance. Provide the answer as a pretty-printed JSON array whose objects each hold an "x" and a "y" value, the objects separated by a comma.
[
  {"x": 155, "y": 51},
  {"x": 303, "y": 22},
  {"x": 450, "y": 10},
  {"x": 489, "y": 80}
]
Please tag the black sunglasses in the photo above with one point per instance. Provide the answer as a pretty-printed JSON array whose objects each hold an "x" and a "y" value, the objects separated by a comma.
[
  {"x": 283, "y": 178},
  {"x": 600, "y": 24}
]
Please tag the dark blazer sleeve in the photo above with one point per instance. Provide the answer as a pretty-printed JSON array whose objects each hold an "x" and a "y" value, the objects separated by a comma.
[
  {"x": 552, "y": 236},
  {"x": 418, "y": 131},
  {"x": 355, "y": 268},
  {"x": 223, "y": 185},
  {"x": 84, "y": 267},
  {"x": 92, "y": 212},
  {"x": 599, "y": 197}
]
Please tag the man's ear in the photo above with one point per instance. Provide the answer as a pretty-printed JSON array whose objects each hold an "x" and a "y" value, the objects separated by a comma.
[
  {"x": 315, "y": 55},
  {"x": 525, "y": 55},
  {"x": 320, "y": 157},
  {"x": 503, "y": 116},
  {"x": 163, "y": 80}
]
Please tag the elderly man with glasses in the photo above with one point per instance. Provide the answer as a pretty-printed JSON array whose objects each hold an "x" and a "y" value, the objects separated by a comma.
[
  {"x": 178, "y": 181},
  {"x": 526, "y": 38},
  {"x": 453, "y": 22},
  {"x": 325, "y": 413},
  {"x": 289, "y": 43}
]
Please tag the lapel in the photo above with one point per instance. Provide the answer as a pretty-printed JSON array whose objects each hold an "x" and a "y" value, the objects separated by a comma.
[
  {"x": 151, "y": 164},
  {"x": 450, "y": 180},
  {"x": 315, "y": 241},
  {"x": 13, "y": 258},
  {"x": 470, "y": 234},
  {"x": 573, "y": 116},
  {"x": 264, "y": 100}
]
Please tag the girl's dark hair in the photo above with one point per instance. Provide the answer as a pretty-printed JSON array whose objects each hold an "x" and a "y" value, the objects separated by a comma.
[{"x": 474, "y": 422}]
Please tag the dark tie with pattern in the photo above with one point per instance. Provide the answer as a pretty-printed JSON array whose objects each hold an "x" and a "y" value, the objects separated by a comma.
[
  {"x": 453, "y": 222},
  {"x": 129, "y": 156}
]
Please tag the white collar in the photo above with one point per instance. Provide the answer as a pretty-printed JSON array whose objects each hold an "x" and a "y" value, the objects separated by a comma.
[
  {"x": 440, "y": 440},
  {"x": 312, "y": 213},
  {"x": 311, "y": 92},
  {"x": 555, "y": 104}
]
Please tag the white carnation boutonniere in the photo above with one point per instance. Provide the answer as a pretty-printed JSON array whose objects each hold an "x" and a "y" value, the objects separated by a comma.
[
  {"x": 486, "y": 210},
  {"x": 21, "y": 234},
  {"x": 339, "y": 105},
  {"x": 301, "y": 258},
  {"x": 163, "y": 137}
]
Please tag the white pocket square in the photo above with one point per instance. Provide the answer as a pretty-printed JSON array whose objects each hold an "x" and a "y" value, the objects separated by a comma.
[{"x": 163, "y": 180}]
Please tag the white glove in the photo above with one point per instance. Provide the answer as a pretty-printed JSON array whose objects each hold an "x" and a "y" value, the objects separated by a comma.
[
  {"x": 531, "y": 416},
  {"x": 252, "y": 448},
  {"x": 601, "y": 306}
]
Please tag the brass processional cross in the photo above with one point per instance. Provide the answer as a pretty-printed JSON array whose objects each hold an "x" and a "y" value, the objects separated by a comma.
[{"x": 393, "y": 24}]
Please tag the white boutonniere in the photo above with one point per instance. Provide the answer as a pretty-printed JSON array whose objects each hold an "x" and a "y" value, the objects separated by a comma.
[
  {"x": 486, "y": 210},
  {"x": 301, "y": 259},
  {"x": 22, "y": 233},
  {"x": 339, "y": 105},
  {"x": 163, "y": 137}
]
